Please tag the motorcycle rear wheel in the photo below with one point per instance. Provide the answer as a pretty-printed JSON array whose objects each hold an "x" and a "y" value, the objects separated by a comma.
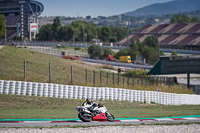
[{"x": 85, "y": 117}]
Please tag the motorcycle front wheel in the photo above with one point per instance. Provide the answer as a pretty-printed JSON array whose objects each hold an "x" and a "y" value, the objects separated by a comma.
[
  {"x": 110, "y": 117},
  {"x": 85, "y": 117}
]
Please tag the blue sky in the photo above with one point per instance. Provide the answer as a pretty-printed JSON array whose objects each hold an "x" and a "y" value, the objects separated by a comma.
[{"x": 94, "y": 8}]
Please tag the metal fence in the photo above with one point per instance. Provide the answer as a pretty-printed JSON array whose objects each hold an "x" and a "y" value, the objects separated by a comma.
[
  {"x": 53, "y": 43},
  {"x": 76, "y": 75}
]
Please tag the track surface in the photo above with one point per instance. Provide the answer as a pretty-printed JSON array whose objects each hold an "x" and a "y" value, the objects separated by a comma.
[
  {"x": 120, "y": 64},
  {"x": 77, "y": 122}
]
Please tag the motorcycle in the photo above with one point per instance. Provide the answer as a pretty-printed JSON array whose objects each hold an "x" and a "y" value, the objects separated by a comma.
[{"x": 99, "y": 114}]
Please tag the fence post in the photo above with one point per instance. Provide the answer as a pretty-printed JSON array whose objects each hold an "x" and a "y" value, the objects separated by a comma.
[
  {"x": 133, "y": 80},
  {"x": 118, "y": 79},
  {"x": 94, "y": 78},
  {"x": 160, "y": 80},
  {"x": 107, "y": 77},
  {"x": 138, "y": 80},
  {"x": 165, "y": 80},
  {"x": 100, "y": 78},
  {"x": 113, "y": 78},
  {"x": 86, "y": 76},
  {"x": 123, "y": 80},
  {"x": 71, "y": 75},
  {"x": 150, "y": 81},
  {"x": 141, "y": 81},
  {"x": 146, "y": 81},
  {"x": 128, "y": 81},
  {"x": 24, "y": 70},
  {"x": 157, "y": 80},
  {"x": 49, "y": 72}
]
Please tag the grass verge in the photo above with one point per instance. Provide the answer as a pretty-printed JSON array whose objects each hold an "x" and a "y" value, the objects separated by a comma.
[
  {"x": 25, "y": 107},
  {"x": 37, "y": 70}
]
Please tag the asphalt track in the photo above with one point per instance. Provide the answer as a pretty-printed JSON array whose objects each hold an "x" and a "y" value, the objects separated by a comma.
[
  {"x": 120, "y": 64},
  {"x": 77, "y": 122}
]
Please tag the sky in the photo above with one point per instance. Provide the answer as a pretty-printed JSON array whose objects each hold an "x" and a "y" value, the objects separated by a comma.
[{"x": 94, "y": 8}]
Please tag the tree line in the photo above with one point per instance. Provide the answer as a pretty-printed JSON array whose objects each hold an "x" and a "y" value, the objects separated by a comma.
[
  {"x": 79, "y": 31},
  {"x": 183, "y": 19},
  {"x": 149, "y": 49},
  {"x": 2, "y": 26}
]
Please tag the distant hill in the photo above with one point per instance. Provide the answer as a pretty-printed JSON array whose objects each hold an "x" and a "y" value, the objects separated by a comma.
[
  {"x": 120, "y": 20},
  {"x": 172, "y": 7}
]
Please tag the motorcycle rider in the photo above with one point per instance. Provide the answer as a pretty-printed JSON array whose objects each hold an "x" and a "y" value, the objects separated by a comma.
[{"x": 91, "y": 105}]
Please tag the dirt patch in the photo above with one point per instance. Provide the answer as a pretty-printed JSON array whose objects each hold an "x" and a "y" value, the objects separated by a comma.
[{"x": 7, "y": 104}]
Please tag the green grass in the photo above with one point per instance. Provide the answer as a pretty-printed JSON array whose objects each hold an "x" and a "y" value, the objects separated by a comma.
[
  {"x": 25, "y": 107},
  {"x": 12, "y": 68}
]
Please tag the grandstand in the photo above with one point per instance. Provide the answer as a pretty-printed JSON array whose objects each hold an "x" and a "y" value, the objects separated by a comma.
[
  {"x": 21, "y": 17},
  {"x": 175, "y": 36}
]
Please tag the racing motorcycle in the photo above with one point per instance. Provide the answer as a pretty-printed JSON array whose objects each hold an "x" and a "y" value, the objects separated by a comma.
[{"x": 99, "y": 114}]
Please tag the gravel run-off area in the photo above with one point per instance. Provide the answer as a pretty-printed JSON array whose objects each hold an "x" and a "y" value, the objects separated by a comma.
[{"x": 194, "y": 128}]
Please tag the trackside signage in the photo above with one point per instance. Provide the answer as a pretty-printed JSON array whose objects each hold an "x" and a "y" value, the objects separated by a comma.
[
  {"x": 33, "y": 27},
  {"x": 177, "y": 66}
]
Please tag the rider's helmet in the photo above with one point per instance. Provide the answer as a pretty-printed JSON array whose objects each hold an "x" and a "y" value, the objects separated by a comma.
[{"x": 89, "y": 101}]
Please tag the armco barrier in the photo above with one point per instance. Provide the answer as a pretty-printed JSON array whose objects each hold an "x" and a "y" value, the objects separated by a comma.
[{"x": 96, "y": 93}]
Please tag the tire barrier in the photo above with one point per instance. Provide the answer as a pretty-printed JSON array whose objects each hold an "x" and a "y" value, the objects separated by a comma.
[
  {"x": 55, "y": 90},
  {"x": 50, "y": 90},
  {"x": 45, "y": 90},
  {"x": 6, "y": 87},
  {"x": 96, "y": 93},
  {"x": 12, "y": 87},
  {"x": 65, "y": 91},
  {"x": 70, "y": 92},
  {"x": 40, "y": 90},
  {"x": 60, "y": 91},
  {"x": 1, "y": 86},
  {"x": 35, "y": 89},
  {"x": 21, "y": 88},
  {"x": 29, "y": 89}
]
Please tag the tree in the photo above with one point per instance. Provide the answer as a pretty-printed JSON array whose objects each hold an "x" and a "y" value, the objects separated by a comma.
[
  {"x": 118, "y": 33},
  {"x": 45, "y": 33},
  {"x": 174, "y": 55},
  {"x": 150, "y": 49},
  {"x": 84, "y": 31},
  {"x": 106, "y": 52},
  {"x": 194, "y": 20},
  {"x": 113, "y": 39},
  {"x": 55, "y": 27},
  {"x": 179, "y": 19},
  {"x": 90, "y": 31},
  {"x": 105, "y": 33},
  {"x": 150, "y": 54},
  {"x": 62, "y": 32},
  {"x": 151, "y": 41},
  {"x": 94, "y": 51},
  {"x": 134, "y": 49},
  {"x": 122, "y": 52},
  {"x": 70, "y": 33},
  {"x": 2, "y": 26},
  {"x": 80, "y": 31}
]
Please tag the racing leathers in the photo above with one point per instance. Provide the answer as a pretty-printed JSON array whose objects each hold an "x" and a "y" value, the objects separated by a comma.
[{"x": 92, "y": 106}]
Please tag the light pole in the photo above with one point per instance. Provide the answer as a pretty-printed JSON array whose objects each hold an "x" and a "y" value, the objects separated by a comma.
[
  {"x": 86, "y": 38},
  {"x": 128, "y": 27},
  {"x": 83, "y": 33},
  {"x": 5, "y": 32}
]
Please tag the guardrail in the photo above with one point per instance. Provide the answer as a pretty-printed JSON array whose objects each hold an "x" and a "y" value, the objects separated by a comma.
[{"x": 96, "y": 93}]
